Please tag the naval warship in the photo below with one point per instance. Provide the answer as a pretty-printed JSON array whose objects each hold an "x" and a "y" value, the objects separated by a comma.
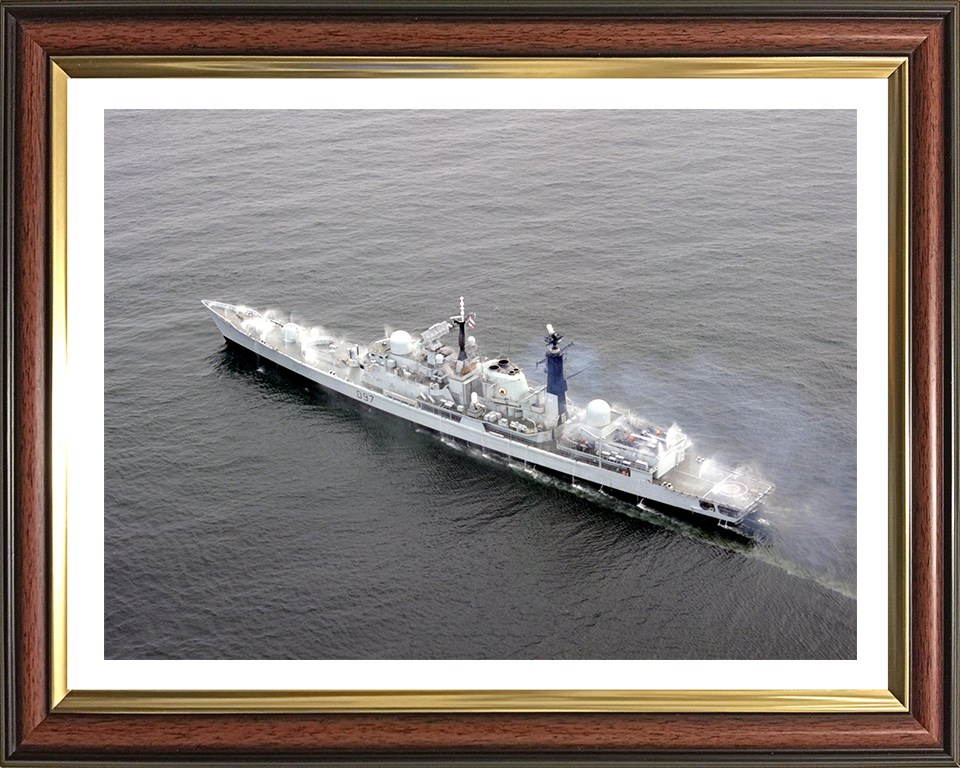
[{"x": 488, "y": 403}]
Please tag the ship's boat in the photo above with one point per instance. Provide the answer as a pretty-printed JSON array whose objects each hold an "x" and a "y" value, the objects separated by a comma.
[{"x": 450, "y": 388}]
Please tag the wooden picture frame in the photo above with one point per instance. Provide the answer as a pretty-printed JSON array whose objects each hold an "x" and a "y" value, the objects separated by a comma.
[{"x": 36, "y": 731}]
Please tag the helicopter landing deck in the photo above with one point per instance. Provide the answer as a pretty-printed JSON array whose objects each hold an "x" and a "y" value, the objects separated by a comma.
[{"x": 715, "y": 483}]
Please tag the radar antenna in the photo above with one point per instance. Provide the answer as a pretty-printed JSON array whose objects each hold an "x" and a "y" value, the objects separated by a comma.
[{"x": 552, "y": 336}]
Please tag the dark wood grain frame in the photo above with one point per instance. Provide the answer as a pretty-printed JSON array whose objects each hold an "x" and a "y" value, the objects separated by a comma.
[{"x": 924, "y": 32}]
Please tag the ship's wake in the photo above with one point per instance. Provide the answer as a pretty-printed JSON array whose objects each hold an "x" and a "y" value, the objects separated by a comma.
[
  {"x": 762, "y": 541},
  {"x": 757, "y": 541}
]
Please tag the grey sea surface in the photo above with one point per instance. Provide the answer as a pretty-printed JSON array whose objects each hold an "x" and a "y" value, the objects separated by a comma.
[{"x": 702, "y": 262}]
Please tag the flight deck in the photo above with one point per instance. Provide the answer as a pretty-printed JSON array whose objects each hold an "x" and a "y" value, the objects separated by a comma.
[{"x": 715, "y": 483}]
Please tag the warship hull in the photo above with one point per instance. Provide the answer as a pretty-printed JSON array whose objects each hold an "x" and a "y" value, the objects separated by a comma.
[{"x": 328, "y": 371}]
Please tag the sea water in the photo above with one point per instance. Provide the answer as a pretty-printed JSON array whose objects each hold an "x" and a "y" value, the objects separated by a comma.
[{"x": 703, "y": 263}]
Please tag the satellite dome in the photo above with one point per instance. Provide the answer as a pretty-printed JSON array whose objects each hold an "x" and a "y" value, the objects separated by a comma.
[
  {"x": 401, "y": 343},
  {"x": 291, "y": 332},
  {"x": 598, "y": 413}
]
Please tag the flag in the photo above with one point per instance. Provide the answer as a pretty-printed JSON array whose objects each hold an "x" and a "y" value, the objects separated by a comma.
[{"x": 471, "y": 323}]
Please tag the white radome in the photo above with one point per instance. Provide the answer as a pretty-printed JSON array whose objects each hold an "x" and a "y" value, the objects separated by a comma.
[
  {"x": 598, "y": 413},
  {"x": 401, "y": 343}
]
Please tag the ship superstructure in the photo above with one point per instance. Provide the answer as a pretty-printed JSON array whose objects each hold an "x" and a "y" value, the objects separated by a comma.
[{"x": 447, "y": 386}]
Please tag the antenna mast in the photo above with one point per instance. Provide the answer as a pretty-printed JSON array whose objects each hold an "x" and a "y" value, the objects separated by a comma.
[
  {"x": 462, "y": 320},
  {"x": 556, "y": 383}
]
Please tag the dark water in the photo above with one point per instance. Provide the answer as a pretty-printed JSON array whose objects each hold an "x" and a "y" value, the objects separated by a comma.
[{"x": 702, "y": 262}]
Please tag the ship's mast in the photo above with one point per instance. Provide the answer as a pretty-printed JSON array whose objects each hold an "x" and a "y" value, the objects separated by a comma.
[
  {"x": 461, "y": 320},
  {"x": 556, "y": 383}
]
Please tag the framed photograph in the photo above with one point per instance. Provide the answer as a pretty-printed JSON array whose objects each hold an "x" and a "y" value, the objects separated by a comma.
[{"x": 551, "y": 384}]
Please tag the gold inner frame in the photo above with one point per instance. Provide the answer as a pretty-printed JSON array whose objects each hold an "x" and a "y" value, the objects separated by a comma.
[{"x": 894, "y": 699}]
